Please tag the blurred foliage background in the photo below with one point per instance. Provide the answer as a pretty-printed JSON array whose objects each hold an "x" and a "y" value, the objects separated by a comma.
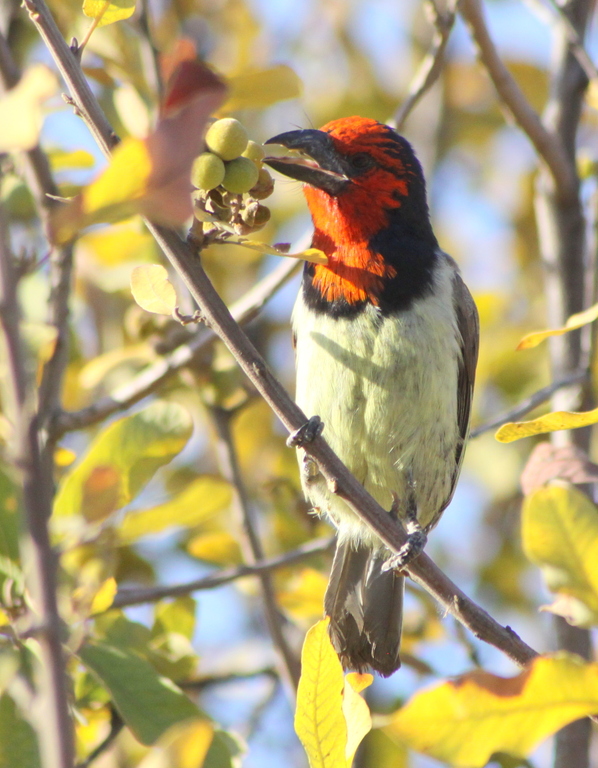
[{"x": 178, "y": 519}]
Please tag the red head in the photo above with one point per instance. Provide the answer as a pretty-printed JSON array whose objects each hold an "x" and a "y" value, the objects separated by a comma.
[{"x": 366, "y": 194}]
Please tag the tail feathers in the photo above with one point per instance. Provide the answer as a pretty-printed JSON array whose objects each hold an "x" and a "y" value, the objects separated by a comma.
[{"x": 365, "y": 605}]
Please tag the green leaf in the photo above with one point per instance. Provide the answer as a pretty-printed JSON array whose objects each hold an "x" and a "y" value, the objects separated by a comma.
[
  {"x": 202, "y": 499},
  {"x": 176, "y": 616},
  {"x": 560, "y": 535},
  {"x": 148, "y": 703},
  {"x": 9, "y": 519},
  {"x": 18, "y": 743},
  {"x": 225, "y": 751},
  {"x": 122, "y": 459}
]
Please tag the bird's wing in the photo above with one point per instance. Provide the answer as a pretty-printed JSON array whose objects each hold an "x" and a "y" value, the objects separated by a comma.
[{"x": 469, "y": 329}]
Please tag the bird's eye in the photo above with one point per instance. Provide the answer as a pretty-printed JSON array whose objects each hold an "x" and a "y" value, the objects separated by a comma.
[{"x": 361, "y": 161}]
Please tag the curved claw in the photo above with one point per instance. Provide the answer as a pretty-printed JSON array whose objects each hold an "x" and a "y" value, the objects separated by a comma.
[{"x": 307, "y": 433}]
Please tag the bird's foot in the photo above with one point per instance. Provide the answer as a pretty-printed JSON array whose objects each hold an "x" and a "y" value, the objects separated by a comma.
[
  {"x": 414, "y": 546},
  {"x": 307, "y": 433},
  {"x": 416, "y": 536}
]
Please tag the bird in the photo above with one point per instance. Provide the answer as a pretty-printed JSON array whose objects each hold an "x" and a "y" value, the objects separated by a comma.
[{"x": 386, "y": 344}]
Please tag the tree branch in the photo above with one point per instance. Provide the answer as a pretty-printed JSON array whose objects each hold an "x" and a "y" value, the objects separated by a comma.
[
  {"x": 251, "y": 546},
  {"x": 431, "y": 67},
  {"x": 126, "y": 597},
  {"x": 339, "y": 479},
  {"x": 548, "y": 146},
  {"x": 151, "y": 378},
  {"x": 51, "y": 704}
]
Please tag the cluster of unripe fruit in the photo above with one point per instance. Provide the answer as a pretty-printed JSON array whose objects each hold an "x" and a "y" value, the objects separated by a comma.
[{"x": 230, "y": 181}]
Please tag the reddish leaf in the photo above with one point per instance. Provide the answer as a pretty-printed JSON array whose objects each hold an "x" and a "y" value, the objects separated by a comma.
[
  {"x": 184, "y": 50},
  {"x": 547, "y": 462},
  {"x": 151, "y": 176}
]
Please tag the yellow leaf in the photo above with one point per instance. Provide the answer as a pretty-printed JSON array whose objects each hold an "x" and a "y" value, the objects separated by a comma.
[
  {"x": 104, "y": 596},
  {"x": 560, "y": 535},
  {"x": 184, "y": 745},
  {"x": 113, "y": 196},
  {"x": 64, "y": 457},
  {"x": 319, "y": 719},
  {"x": 256, "y": 90},
  {"x": 200, "y": 500},
  {"x": 152, "y": 289},
  {"x": 117, "y": 244},
  {"x": 79, "y": 158},
  {"x": 575, "y": 321},
  {"x": 304, "y": 596},
  {"x": 218, "y": 547},
  {"x": 356, "y": 712},
  {"x": 313, "y": 255},
  {"x": 463, "y": 722},
  {"x": 21, "y": 115},
  {"x": 551, "y": 422},
  {"x": 108, "y": 11}
]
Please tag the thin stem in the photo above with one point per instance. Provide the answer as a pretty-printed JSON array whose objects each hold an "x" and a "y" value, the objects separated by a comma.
[{"x": 251, "y": 545}]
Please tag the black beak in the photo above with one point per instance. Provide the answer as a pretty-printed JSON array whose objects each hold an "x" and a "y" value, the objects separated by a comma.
[{"x": 322, "y": 166}]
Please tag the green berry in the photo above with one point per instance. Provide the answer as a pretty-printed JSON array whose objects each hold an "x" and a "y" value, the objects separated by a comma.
[
  {"x": 241, "y": 174},
  {"x": 226, "y": 138},
  {"x": 255, "y": 152},
  {"x": 207, "y": 171}
]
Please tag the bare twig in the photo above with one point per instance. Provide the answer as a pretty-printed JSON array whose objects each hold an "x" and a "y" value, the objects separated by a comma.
[
  {"x": 53, "y": 721},
  {"x": 336, "y": 474},
  {"x": 548, "y": 146},
  {"x": 152, "y": 377},
  {"x": 251, "y": 546},
  {"x": 127, "y": 597},
  {"x": 431, "y": 67},
  {"x": 531, "y": 402}
]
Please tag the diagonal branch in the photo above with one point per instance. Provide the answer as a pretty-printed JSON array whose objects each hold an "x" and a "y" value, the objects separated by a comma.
[
  {"x": 339, "y": 479},
  {"x": 547, "y": 144},
  {"x": 126, "y": 597}
]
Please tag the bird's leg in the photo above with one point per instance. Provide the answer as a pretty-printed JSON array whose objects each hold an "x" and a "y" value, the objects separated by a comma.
[
  {"x": 416, "y": 536},
  {"x": 306, "y": 433}
]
